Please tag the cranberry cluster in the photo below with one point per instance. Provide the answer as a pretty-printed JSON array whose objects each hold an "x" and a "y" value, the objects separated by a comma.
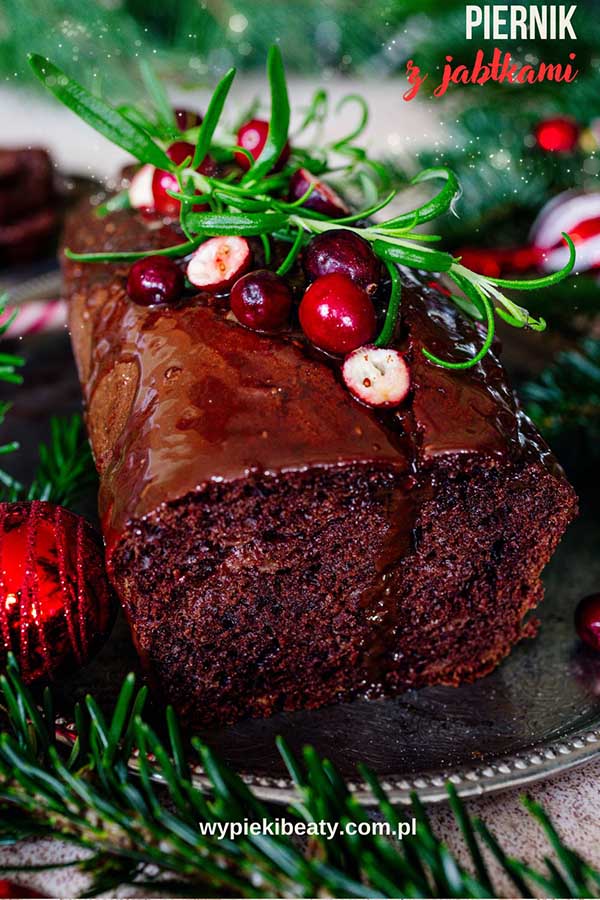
[{"x": 336, "y": 313}]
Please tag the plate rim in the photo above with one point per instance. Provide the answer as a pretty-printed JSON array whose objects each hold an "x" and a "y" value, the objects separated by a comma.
[{"x": 541, "y": 760}]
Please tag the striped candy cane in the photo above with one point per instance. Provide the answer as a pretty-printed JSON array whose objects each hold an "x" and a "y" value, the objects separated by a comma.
[
  {"x": 35, "y": 313},
  {"x": 35, "y": 316}
]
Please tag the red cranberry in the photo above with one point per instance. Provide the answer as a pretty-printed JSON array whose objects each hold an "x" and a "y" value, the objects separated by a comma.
[
  {"x": 261, "y": 300},
  {"x": 337, "y": 315},
  {"x": 155, "y": 279},
  {"x": 187, "y": 118},
  {"x": 163, "y": 181},
  {"x": 587, "y": 620},
  {"x": 343, "y": 252},
  {"x": 252, "y": 136},
  {"x": 322, "y": 198}
]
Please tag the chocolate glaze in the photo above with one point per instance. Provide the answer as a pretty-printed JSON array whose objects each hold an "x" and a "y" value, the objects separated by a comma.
[{"x": 201, "y": 398}]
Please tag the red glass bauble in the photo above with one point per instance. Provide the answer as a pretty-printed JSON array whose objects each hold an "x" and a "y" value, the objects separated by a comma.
[
  {"x": 12, "y": 889},
  {"x": 557, "y": 135},
  {"x": 493, "y": 262},
  {"x": 56, "y": 604}
]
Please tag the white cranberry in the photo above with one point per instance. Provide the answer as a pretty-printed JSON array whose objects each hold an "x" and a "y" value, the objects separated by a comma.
[
  {"x": 218, "y": 262},
  {"x": 140, "y": 189},
  {"x": 378, "y": 376}
]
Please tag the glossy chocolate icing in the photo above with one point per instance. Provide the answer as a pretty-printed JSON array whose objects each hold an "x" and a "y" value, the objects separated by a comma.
[{"x": 199, "y": 398}]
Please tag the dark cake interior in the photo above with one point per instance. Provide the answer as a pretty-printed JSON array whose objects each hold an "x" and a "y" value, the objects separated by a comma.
[{"x": 275, "y": 543}]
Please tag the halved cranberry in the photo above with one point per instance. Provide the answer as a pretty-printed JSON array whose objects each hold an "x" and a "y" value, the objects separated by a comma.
[
  {"x": 252, "y": 136},
  {"x": 377, "y": 376},
  {"x": 140, "y": 189},
  {"x": 587, "y": 620},
  {"x": 336, "y": 314},
  {"x": 187, "y": 118},
  {"x": 261, "y": 300},
  {"x": 343, "y": 252},
  {"x": 218, "y": 262},
  {"x": 155, "y": 279},
  {"x": 164, "y": 181},
  {"x": 323, "y": 199}
]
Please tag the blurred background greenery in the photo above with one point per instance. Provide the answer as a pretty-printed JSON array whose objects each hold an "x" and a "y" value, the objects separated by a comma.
[
  {"x": 506, "y": 177},
  {"x": 203, "y": 37}
]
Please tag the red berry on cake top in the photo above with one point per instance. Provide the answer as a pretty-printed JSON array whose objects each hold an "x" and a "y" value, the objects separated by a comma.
[
  {"x": 218, "y": 262},
  {"x": 261, "y": 300},
  {"x": 252, "y": 136},
  {"x": 322, "y": 198},
  {"x": 377, "y": 376},
  {"x": 155, "y": 279},
  {"x": 187, "y": 118},
  {"x": 337, "y": 315},
  {"x": 164, "y": 181},
  {"x": 342, "y": 252}
]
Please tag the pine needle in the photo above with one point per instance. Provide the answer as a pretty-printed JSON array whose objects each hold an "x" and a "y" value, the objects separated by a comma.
[{"x": 150, "y": 828}]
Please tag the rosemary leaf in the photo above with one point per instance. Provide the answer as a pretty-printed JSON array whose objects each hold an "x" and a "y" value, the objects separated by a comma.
[{"x": 102, "y": 117}]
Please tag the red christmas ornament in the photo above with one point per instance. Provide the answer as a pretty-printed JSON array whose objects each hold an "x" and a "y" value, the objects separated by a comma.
[
  {"x": 12, "y": 889},
  {"x": 557, "y": 135},
  {"x": 494, "y": 262},
  {"x": 56, "y": 605}
]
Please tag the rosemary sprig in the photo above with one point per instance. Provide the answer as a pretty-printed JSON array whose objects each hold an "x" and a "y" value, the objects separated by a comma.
[
  {"x": 100, "y": 115},
  {"x": 254, "y": 205},
  {"x": 158, "y": 830}
]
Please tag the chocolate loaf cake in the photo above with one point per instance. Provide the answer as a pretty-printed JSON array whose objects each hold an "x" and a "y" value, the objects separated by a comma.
[{"x": 277, "y": 544}]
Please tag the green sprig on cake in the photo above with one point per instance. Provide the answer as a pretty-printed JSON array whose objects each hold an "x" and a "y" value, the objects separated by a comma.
[{"x": 223, "y": 191}]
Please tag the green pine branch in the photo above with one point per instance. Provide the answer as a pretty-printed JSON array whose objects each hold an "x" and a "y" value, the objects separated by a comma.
[
  {"x": 9, "y": 366},
  {"x": 566, "y": 397},
  {"x": 154, "y": 826},
  {"x": 66, "y": 469}
]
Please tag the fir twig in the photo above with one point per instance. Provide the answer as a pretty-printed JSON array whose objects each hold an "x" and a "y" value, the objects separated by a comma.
[
  {"x": 9, "y": 364},
  {"x": 565, "y": 398},
  {"x": 154, "y": 828},
  {"x": 66, "y": 468}
]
